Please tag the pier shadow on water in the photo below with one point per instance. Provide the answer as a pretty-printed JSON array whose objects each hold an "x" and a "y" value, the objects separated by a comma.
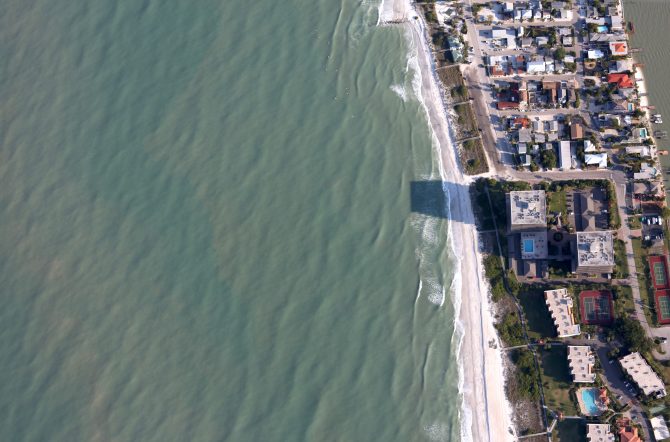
[{"x": 431, "y": 198}]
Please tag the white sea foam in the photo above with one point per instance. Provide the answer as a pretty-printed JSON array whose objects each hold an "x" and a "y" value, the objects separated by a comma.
[{"x": 400, "y": 91}]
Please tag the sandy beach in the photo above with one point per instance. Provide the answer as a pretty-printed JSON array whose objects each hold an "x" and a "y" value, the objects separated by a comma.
[{"x": 485, "y": 412}]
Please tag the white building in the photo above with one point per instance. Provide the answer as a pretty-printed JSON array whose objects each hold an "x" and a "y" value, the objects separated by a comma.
[
  {"x": 599, "y": 433},
  {"x": 564, "y": 155},
  {"x": 559, "y": 304},
  {"x": 596, "y": 159},
  {"x": 643, "y": 375},
  {"x": 581, "y": 361},
  {"x": 536, "y": 67},
  {"x": 595, "y": 54},
  {"x": 659, "y": 427}
]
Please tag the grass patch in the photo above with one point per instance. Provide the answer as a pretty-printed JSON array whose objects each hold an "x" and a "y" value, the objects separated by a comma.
[
  {"x": 538, "y": 320},
  {"x": 621, "y": 263},
  {"x": 570, "y": 430},
  {"x": 510, "y": 330},
  {"x": 556, "y": 379},
  {"x": 556, "y": 202},
  {"x": 634, "y": 222},
  {"x": 467, "y": 121},
  {"x": 643, "y": 279},
  {"x": 473, "y": 158},
  {"x": 459, "y": 93},
  {"x": 451, "y": 77},
  {"x": 524, "y": 383}
]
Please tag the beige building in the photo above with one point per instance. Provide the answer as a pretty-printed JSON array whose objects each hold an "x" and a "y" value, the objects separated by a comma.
[
  {"x": 559, "y": 303},
  {"x": 643, "y": 375},
  {"x": 599, "y": 433},
  {"x": 581, "y": 361}
]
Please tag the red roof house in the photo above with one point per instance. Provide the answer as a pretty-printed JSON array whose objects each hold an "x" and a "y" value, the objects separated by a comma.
[{"x": 624, "y": 81}]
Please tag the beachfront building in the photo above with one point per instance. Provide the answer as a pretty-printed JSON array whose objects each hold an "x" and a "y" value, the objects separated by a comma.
[
  {"x": 627, "y": 432},
  {"x": 599, "y": 433},
  {"x": 642, "y": 374},
  {"x": 581, "y": 361},
  {"x": 559, "y": 303},
  {"x": 527, "y": 239},
  {"x": 595, "y": 252}
]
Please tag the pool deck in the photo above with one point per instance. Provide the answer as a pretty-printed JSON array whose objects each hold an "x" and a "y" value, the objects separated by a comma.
[{"x": 582, "y": 406}]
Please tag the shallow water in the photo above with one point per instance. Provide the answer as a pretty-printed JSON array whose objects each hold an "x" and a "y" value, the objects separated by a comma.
[{"x": 207, "y": 227}]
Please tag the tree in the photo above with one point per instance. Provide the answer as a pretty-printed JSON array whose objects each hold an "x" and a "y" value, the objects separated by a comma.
[
  {"x": 665, "y": 212},
  {"x": 639, "y": 113},
  {"x": 633, "y": 335},
  {"x": 548, "y": 158},
  {"x": 559, "y": 54},
  {"x": 464, "y": 29}
]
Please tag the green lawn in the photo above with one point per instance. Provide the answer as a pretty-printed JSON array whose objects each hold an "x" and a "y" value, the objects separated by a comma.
[
  {"x": 646, "y": 292},
  {"x": 556, "y": 202},
  {"x": 634, "y": 222},
  {"x": 538, "y": 319},
  {"x": 570, "y": 430},
  {"x": 556, "y": 380},
  {"x": 621, "y": 269}
]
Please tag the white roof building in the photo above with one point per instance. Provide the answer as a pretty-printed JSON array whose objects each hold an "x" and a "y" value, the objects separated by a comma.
[
  {"x": 595, "y": 54},
  {"x": 499, "y": 33},
  {"x": 599, "y": 433},
  {"x": 647, "y": 172},
  {"x": 536, "y": 67},
  {"x": 564, "y": 155},
  {"x": 596, "y": 159},
  {"x": 560, "y": 306},
  {"x": 581, "y": 361},
  {"x": 659, "y": 427},
  {"x": 643, "y": 375},
  {"x": 642, "y": 150}
]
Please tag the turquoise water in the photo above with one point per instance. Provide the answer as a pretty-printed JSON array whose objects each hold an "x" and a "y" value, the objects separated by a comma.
[
  {"x": 589, "y": 400},
  {"x": 206, "y": 227}
]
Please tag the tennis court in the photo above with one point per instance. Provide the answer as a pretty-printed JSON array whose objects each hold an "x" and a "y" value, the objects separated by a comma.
[
  {"x": 596, "y": 307},
  {"x": 659, "y": 272},
  {"x": 662, "y": 298}
]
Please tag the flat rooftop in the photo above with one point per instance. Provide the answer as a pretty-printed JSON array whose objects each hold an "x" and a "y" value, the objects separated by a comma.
[
  {"x": 599, "y": 433},
  {"x": 559, "y": 304},
  {"x": 534, "y": 245},
  {"x": 581, "y": 361},
  {"x": 643, "y": 375},
  {"x": 595, "y": 249},
  {"x": 528, "y": 207}
]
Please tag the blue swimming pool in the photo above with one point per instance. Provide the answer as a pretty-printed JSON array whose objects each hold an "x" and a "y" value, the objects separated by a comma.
[
  {"x": 589, "y": 400},
  {"x": 528, "y": 246}
]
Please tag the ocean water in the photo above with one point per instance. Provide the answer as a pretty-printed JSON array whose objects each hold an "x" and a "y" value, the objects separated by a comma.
[
  {"x": 208, "y": 230},
  {"x": 651, "y": 18}
]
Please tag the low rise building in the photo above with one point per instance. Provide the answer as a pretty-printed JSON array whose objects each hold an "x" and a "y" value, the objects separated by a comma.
[
  {"x": 618, "y": 48},
  {"x": 564, "y": 155},
  {"x": 560, "y": 305},
  {"x": 527, "y": 210},
  {"x": 627, "y": 432},
  {"x": 581, "y": 361},
  {"x": 642, "y": 374},
  {"x": 598, "y": 160},
  {"x": 659, "y": 427},
  {"x": 599, "y": 433}
]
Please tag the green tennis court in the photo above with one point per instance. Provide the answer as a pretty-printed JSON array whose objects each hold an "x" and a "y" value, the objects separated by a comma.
[
  {"x": 659, "y": 274},
  {"x": 596, "y": 309},
  {"x": 664, "y": 308}
]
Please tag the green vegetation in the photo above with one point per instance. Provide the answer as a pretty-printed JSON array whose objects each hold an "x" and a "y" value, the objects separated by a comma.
[
  {"x": 510, "y": 330},
  {"x": 633, "y": 335},
  {"x": 613, "y": 208},
  {"x": 495, "y": 275},
  {"x": 556, "y": 379},
  {"x": 497, "y": 191},
  {"x": 459, "y": 93},
  {"x": 538, "y": 320},
  {"x": 473, "y": 158},
  {"x": 525, "y": 382},
  {"x": 548, "y": 159},
  {"x": 644, "y": 281},
  {"x": 621, "y": 267},
  {"x": 634, "y": 222},
  {"x": 556, "y": 202},
  {"x": 559, "y": 54},
  {"x": 570, "y": 430}
]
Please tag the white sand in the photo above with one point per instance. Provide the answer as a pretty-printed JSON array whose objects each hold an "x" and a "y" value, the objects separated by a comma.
[{"x": 485, "y": 413}]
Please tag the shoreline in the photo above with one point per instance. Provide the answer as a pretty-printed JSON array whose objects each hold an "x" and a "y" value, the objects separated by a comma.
[{"x": 485, "y": 412}]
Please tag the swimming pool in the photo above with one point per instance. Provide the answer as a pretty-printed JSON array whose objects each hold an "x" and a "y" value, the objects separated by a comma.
[
  {"x": 528, "y": 246},
  {"x": 589, "y": 401}
]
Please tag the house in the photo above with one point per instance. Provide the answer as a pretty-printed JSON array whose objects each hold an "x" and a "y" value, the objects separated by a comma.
[
  {"x": 536, "y": 67},
  {"x": 581, "y": 361},
  {"x": 648, "y": 189},
  {"x": 643, "y": 375},
  {"x": 576, "y": 131},
  {"x": 642, "y": 150},
  {"x": 567, "y": 40},
  {"x": 595, "y": 54},
  {"x": 618, "y": 48},
  {"x": 647, "y": 172},
  {"x": 542, "y": 40},
  {"x": 526, "y": 42},
  {"x": 522, "y": 148},
  {"x": 621, "y": 66},
  {"x": 564, "y": 155},
  {"x": 627, "y": 432},
  {"x": 553, "y": 126},
  {"x": 598, "y": 160},
  {"x": 589, "y": 147},
  {"x": 524, "y": 135},
  {"x": 559, "y": 303},
  {"x": 623, "y": 81},
  {"x": 565, "y": 14},
  {"x": 599, "y": 433},
  {"x": 455, "y": 49},
  {"x": 503, "y": 105},
  {"x": 640, "y": 133},
  {"x": 616, "y": 23}
]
